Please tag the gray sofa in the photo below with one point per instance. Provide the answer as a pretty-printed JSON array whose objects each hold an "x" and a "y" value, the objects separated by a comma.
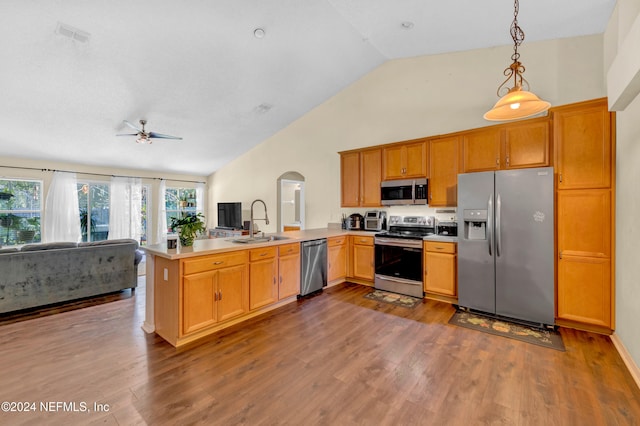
[{"x": 42, "y": 274}]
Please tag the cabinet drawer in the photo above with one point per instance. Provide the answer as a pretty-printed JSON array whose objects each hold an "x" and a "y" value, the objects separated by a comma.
[
  {"x": 262, "y": 253},
  {"x": 336, "y": 241},
  {"x": 216, "y": 261},
  {"x": 363, "y": 241},
  {"x": 440, "y": 247},
  {"x": 288, "y": 249}
]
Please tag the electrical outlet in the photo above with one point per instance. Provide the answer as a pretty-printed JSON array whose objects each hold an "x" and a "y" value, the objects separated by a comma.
[{"x": 166, "y": 274}]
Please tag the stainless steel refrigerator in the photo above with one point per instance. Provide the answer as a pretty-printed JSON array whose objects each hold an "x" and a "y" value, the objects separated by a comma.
[{"x": 506, "y": 243}]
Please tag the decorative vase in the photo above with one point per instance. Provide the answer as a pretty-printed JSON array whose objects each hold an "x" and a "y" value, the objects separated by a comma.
[{"x": 186, "y": 240}]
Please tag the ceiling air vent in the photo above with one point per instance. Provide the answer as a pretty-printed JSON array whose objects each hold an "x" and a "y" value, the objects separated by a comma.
[{"x": 72, "y": 33}]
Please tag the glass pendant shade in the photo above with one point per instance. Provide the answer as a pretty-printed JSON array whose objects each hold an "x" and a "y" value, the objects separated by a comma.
[{"x": 516, "y": 104}]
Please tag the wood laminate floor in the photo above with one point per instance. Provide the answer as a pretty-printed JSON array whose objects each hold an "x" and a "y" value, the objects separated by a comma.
[{"x": 333, "y": 359}]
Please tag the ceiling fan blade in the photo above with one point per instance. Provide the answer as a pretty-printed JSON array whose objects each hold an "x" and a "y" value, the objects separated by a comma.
[
  {"x": 161, "y": 136},
  {"x": 127, "y": 134},
  {"x": 132, "y": 126}
]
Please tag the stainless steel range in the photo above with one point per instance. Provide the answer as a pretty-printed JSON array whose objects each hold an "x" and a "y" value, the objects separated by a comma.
[{"x": 398, "y": 254}]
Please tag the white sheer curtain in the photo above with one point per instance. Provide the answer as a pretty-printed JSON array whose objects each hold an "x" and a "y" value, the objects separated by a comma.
[
  {"x": 125, "y": 208},
  {"x": 62, "y": 213},
  {"x": 200, "y": 201},
  {"x": 160, "y": 230}
]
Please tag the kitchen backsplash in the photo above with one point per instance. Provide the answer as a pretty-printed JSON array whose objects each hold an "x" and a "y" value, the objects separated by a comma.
[{"x": 442, "y": 214}]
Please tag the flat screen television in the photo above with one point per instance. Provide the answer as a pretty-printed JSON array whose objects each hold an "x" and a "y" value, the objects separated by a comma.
[{"x": 230, "y": 215}]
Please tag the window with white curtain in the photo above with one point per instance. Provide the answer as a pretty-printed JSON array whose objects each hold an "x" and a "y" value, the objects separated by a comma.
[{"x": 93, "y": 202}]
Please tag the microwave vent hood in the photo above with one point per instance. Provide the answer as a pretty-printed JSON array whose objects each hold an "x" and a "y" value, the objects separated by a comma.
[{"x": 403, "y": 192}]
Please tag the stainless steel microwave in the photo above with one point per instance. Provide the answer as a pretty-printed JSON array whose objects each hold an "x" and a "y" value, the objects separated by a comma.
[{"x": 403, "y": 192}]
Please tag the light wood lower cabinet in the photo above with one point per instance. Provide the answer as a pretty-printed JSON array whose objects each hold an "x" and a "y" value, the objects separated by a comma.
[
  {"x": 213, "y": 289},
  {"x": 210, "y": 297},
  {"x": 440, "y": 268},
  {"x": 337, "y": 258},
  {"x": 363, "y": 258},
  {"x": 584, "y": 290},
  {"x": 288, "y": 270},
  {"x": 263, "y": 271}
]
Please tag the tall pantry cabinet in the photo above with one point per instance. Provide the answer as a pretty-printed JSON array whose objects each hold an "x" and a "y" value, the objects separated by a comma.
[{"x": 584, "y": 140}]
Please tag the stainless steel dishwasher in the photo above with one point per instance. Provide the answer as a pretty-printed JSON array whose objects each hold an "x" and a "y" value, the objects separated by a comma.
[{"x": 314, "y": 266}]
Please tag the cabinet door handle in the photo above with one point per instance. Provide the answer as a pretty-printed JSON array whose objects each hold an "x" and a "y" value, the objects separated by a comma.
[
  {"x": 507, "y": 161},
  {"x": 560, "y": 176},
  {"x": 215, "y": 296},
  {"x": 218, "y": 263},
  {"x": 498, "y": 162},
  {"x": 263, "y": 254},
  {"x": 439, "y": 248},
  {"x": 280, "y": 279},
  {"x": 560, "y": 253}
]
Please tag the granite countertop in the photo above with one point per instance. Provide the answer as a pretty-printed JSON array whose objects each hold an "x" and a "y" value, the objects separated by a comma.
[{"x": 221, "y": 245}]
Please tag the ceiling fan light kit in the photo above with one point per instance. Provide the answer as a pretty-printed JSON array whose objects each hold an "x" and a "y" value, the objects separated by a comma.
[
  {"x": 144, "y": 137},
  {"x": 518, "y": 102}
]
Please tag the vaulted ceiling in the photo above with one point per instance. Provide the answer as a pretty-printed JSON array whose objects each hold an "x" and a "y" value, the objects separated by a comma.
[{"x": 73, "y": 70}]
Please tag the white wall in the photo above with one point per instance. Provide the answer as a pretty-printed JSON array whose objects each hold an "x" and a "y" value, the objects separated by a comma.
[
  {"x": 402, "y": 99},
  {"x": 627, "y": 281}
]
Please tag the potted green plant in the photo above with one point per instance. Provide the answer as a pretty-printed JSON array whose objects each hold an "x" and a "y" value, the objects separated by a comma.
[{"x": 188, "y": 226}]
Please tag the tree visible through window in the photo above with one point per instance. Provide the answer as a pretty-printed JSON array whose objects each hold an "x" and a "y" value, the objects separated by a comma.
[
  {"x": 20, "y": 211},
  {"x": 93, "y": 200}
]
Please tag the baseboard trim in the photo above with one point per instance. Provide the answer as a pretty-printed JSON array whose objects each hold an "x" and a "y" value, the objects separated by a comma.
[
  {"x": 148, "y": 328},
  {"x": 626, "y": 358}
]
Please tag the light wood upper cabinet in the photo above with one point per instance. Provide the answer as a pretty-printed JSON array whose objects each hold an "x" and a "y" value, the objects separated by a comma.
[
  {"x": 350, "y": 179},
  {"x": 526, "y": 144},
  {"x": 371, "y": 176},
  {"x": 509, "y": 146},
  {"x": 443, "y": 172},
  {"x": 405, "y": 161},
  {"x": 481, "y": 150},
  {"x": 582, "y": 136},
  {"x": 360, "y": 177}
]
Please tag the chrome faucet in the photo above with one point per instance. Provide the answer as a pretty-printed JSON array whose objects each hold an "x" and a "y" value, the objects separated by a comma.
[{"x": 266, "y": 218}]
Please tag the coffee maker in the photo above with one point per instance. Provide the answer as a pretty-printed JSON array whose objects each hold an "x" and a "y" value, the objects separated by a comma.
[{"x": 355, "y": 221}]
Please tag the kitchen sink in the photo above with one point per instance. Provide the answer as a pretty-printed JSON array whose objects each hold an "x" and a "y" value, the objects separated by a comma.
[{"x": 256, "y": 240}]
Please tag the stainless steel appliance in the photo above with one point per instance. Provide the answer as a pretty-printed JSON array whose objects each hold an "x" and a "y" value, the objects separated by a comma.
[
  {"x": 506, "y": 243},
  {"x": 355, "y": 221},
  {"x": 313, "y": 271},
  {"x": 447, "y": 229},
  {"x": 398, "y": 255},
  {"x": 403, "y": 192},
  {"x": 375, "y": 220}
]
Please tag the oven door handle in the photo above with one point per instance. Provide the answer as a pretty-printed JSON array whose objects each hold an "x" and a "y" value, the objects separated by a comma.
[{"x": 396, "y": 243}]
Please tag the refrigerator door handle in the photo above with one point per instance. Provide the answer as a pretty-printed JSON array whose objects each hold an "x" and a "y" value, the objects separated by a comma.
[
  {"x": 489, "y": 223},
  {"x": 498, "y": 226}
]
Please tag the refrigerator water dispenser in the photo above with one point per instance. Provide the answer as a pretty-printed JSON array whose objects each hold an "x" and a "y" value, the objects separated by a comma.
[{"x": 475, "y": 224}]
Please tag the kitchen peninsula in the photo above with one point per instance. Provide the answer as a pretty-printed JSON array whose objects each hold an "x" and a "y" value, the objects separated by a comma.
[{"x": 195, "y": 291}]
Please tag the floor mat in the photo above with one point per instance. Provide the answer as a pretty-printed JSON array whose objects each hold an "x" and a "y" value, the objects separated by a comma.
[
  {"x": 499, "y": 327},
  {"x": 393, "y": 298}
]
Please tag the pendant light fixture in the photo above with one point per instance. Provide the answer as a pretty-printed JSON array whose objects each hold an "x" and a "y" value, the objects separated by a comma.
[{"x": 518, "y": 102}]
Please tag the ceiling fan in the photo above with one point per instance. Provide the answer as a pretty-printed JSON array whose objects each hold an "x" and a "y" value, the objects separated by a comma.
[{"x": 143, "y": 135}]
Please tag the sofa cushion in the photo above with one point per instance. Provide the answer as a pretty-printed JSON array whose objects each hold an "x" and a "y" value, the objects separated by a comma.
[
  {"x": 107, "y": 242},
  {"x": 48, "y": 246}
]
